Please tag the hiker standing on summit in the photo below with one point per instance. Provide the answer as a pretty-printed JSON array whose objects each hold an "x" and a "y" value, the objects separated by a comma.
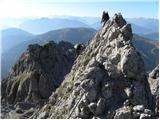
[
  {"x": 78, "y": 47},
  {"x": 105, "y": 17}
]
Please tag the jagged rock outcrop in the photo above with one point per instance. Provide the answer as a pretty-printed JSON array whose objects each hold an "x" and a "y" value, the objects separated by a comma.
[
  {"x": 153, "y": 80},
  {"x": 38, "y": 72},
  {"x": 106, "y": 81}
]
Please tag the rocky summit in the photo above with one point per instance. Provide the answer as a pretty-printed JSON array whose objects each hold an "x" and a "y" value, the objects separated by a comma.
[{"x": 107, "y": 80}]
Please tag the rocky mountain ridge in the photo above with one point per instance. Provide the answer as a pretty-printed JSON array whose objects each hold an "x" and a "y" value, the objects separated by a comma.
[
  {"x": 38, "y": 72},
  {"x": 147, "y": 47},
  {"x": 72, "y": 35},
  {"x": 107, "y": 80}
]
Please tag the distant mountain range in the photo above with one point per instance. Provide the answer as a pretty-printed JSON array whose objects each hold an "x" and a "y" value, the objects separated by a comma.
[
  {"x": 41, "y": 25},
  {"x": 88, "y": 20},
  {"x": 13, "y": 36},
  {"x": 154, "y": 36},
  {"x": 147, "y": 47},
  {"x": 150, "y": 24},
  {"x": 35, "y": 25},
  {"x": 73, "y": 35},
  {"x": 149, "y": 50},
  {"x": 140, "y": 29}
]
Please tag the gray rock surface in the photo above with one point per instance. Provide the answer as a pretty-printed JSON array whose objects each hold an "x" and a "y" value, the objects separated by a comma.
[
  {"x": 138, "y": 108},
  {"x": 92, "y": 107},
  {"x": 145, "y": 116},
  {"x": 43, "y": 115},
  {"x": 135, "y": 112},
  {"x": 153, "y": 80},
  {"x": 107, "y": 80},
  {"x": 110, "y": 71},
  {"x": 37, "y": 73},
  {"x": 123, "y": 113}
]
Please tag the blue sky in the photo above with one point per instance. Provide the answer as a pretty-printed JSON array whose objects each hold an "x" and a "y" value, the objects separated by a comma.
[{"x": 40, "y": 8}]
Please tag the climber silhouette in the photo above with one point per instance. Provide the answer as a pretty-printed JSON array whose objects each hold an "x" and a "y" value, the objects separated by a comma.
[
  {"x": 105, "y": 17},
  {"x": 78, "y": 47}
]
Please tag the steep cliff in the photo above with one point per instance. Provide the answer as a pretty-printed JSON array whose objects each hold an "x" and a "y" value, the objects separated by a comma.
[
  {"x": 106, "y": 81},
  {"x": 153, "y": 80}
]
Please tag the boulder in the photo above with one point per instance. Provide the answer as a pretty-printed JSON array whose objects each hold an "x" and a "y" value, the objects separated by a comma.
[
  {"x": 92, "y": 107},
  {"x": 147, "y": 111},
  {"x": 145, "y": 116},
  {"x": 84, "y": 111},
  {"x": 43, "y": 115},
  {"x": 153, "y": 80},
  {"x": 123, "y": 113},
  {"x": 138, "y": 108}
]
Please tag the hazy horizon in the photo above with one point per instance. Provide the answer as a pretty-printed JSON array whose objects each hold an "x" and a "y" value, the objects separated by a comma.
[
  {"x": 45, "y": 8},
  {"x": 14, "y": 22},
  {"x": 14, "y": 12}
]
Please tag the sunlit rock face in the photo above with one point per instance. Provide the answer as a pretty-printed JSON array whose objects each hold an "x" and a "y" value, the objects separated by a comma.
[{"x": 106, "y": 81}]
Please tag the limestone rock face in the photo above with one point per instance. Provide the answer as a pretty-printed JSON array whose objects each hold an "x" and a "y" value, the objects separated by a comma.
[
  {"x": 106, "y": 81},
  {"x": 138, "y": 112},
  {"x": 153, "y": 80},
  {"x": 38, "y": 72}
]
